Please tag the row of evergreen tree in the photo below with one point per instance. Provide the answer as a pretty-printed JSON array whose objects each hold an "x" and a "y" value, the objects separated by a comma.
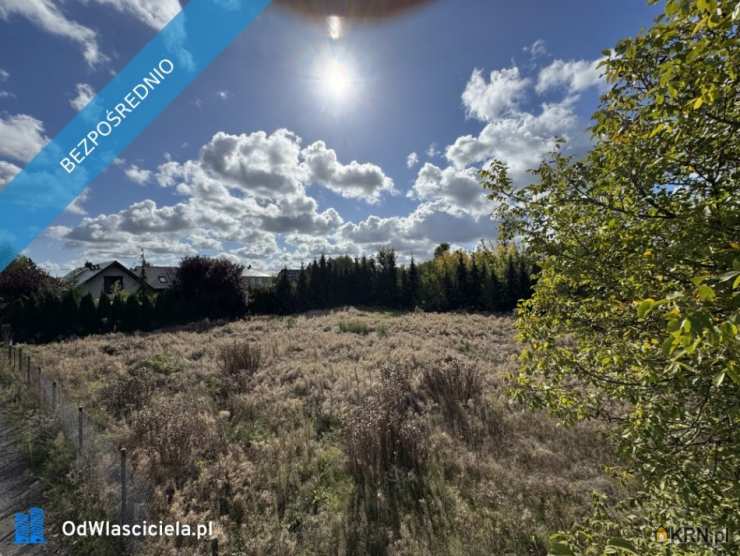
[
  {"x": 203, "y": 288},
  {"x": 490, "y": 279}
]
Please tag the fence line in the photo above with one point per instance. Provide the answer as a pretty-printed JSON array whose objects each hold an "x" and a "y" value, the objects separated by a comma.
[{"x": 99, "y": 462}]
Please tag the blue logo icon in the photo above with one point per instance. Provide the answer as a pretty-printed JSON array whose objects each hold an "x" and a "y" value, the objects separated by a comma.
[{"x": 29, "y": 527}]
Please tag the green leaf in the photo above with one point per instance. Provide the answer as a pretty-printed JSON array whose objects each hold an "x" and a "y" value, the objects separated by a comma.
[
  {"x": 705, "y": 293},
  {"x": 645, "y": 306},
  {"x": 622, "y": 544},
  {"x": 734, "y": 375},
  {"x": 560, "y": 549},
  {"x": 719, "y": 378}
]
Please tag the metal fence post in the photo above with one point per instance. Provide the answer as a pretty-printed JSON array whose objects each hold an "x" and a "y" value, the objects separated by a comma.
[
  {"x": 123, "y": 486},
  {"x": 214, "y": 547},
  {"x": 28, "y": 369},
  {"x": 80, "y": 416},
  {"x": 19, "y": 359},
  {"x": 54, "y": 396}
]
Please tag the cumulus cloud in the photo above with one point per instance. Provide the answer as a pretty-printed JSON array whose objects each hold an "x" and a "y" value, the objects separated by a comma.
[
  {"x": 21, "y": 137},
  {"x": 521, "y": 137},
  {"x": 501, "y": 94},
  {"x": 138, "y": 175},
  {"x": 47, "y": 16},
  {"x": 4, "y": 75},
  {"x": 84, "y": 94},
  {"x": 456, "y": 187},
  {"x": 354, "y": 180},
  {"x": 522, "y": 141},
  {"x": 412, "y": 160},
  {"x": 574, "y": 76}
]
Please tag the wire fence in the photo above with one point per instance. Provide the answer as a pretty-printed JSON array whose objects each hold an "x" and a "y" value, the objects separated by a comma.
[{"x": 104, "y": 467}]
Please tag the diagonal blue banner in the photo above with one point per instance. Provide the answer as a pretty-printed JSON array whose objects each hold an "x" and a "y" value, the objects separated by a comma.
[{"x": 116, "y": 116}]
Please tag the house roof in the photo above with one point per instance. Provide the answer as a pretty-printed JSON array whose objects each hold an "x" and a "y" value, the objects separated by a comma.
[
  {"x": 84, "y": 274},
  {"x": 158, "y": 277}
]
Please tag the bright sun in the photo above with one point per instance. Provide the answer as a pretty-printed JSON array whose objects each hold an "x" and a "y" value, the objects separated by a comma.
[{"x": 336, "y": 79}]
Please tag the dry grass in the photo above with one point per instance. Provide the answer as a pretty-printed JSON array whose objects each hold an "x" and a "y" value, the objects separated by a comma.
[{"x": 299, "y": 438}]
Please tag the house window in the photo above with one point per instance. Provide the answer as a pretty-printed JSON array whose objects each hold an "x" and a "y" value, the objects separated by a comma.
[{"x": 112, "y": 284}]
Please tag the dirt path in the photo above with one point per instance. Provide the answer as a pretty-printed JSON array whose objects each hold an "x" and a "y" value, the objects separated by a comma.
[{"x": 19, "y": 490}]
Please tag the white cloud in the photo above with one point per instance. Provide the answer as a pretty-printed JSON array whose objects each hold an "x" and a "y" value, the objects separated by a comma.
[
  {"x": 46, "y": 15},
  {"x": 84, "y": 94},
  {"x": 223, "y": 95},
  {"x": 354, "y": 180},
  {"x": 138, "y": 175},
  {"x": 154, "y": 13},
  {"x": 536, "y": 50},
  {"x": 75, "y": 207},
  {"x": 412, "y": 160},
  {"x": 433, "y": 151},
  {"x": 521, "y": 141},
  {"x": 456, "y": 187},
  {"x": 487, "y": 100},
  {"x": 4, "y": 75},
  {"x": 7, "y": 172},
  {"x": 575, "y": 76},
  {"x": 21, "y": 137}
]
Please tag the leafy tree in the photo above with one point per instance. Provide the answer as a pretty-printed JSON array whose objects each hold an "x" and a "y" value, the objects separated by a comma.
[
  {"x": 206, "y": 287},
  {"x": 22, "y": 278},
  {"x": 441, "y": 250},
  {"x": 635, "y": 313}
]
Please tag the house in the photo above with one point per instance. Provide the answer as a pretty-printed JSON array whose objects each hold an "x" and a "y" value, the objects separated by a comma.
[
  {"x": 109, "y": 277},
  {"x": 158, "y": 278},
  {"x": 256, "y": 280}
]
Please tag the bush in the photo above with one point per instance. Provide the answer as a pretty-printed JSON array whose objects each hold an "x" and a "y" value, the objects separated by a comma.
[
  {"x": 386, "y": 440},
  {"x": 456, "y": 388},
  {"x": 354, "y": 327},
  {"x": 173, "y": 435},
  {"x": 239, "y": 359}
]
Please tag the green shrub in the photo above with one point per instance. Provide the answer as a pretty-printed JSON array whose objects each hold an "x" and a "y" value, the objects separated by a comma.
[{"x": 354, "y": 327}]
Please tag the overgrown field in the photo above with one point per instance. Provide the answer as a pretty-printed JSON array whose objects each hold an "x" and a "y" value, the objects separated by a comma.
[{"x": 342, "y": 433}]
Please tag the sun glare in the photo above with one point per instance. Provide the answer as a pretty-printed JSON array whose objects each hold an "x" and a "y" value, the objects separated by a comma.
[{"x": 336, "y": 79}]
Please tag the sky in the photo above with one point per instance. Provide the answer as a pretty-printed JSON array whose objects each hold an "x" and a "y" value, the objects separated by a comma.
[{"x": 307, "y": 135}]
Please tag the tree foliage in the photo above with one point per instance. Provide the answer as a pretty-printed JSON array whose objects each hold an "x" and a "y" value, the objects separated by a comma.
[{"x": 635, "y": 314}]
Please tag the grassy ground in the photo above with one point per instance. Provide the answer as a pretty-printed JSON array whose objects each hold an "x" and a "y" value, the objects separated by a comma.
[{"x": 344, "y": 433}]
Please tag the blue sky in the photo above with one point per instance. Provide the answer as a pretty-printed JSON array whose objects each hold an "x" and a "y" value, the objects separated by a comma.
[{"x": 295, "y": 142}]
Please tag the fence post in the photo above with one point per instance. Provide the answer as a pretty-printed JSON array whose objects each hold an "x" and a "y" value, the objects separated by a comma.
[
  {"x": 19, "y": 359},
  {"x": 28, "y": 369},
  {"x": 123, "y": 486},
  {"x": 54, "y": 396},
  {"x": 80, "y": 415},
  {"x": 10, "y": 353},
  {"x": 214, "y": 547},
  {"x": 42, "y": 396}
]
